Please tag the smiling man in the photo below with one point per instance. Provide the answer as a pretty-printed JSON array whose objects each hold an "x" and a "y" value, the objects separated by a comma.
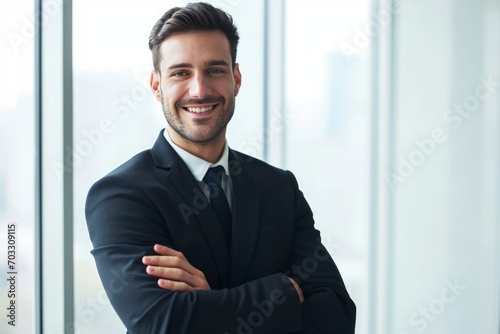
[
  {"x": 196, "y": 83},
  {"x": 202, "y": 238}
]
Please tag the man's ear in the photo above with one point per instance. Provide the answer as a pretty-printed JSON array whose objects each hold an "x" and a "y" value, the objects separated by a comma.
[
  {"x": 154, "y": 83},
  {"x": 237, "y": 78}
]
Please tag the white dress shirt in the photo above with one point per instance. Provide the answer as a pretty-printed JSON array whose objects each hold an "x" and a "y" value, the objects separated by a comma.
[{"x": 199, "y": 168}]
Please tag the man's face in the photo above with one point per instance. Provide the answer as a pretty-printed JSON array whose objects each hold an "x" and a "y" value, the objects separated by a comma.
[{"x": 197, "y": 85}]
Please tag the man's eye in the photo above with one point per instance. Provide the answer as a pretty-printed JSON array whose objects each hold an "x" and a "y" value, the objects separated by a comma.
[
  {"x": 215, "y": 71},
  {"x": 179, "y": 74}
]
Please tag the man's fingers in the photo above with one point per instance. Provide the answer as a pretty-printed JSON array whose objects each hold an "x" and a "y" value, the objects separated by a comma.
[
  {"x": 164, "y": 250},
  {"x": 168, "y": 257},
  {"x": 173, "y": 285},
  {"x": 177, "y": 274},
  {"x": 298, "y": 289},
  {"x": 170, "y": 262},
  {"x": 174, "y": 270},
  {"x": 163, "y": 260}
]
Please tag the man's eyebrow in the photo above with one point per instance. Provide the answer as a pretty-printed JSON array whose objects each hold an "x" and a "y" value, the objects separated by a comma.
[
  {"x": 218, "y": 62},
  {"x": 180, "y": 65}
]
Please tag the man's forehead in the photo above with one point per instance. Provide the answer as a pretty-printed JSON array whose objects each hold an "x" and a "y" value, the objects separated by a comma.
[{"x": 196, "y": 47}]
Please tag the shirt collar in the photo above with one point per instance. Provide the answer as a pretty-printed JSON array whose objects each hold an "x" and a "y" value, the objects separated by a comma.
[{"x": 198, "y": 166}]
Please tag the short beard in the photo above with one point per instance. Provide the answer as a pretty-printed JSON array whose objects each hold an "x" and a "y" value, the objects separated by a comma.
[{"x": 178, "y": 126}]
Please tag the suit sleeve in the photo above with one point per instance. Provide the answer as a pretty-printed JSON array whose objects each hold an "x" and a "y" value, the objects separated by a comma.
[
  {"x": 327, "y": 307},
  {"x": 124, "y": 224}
]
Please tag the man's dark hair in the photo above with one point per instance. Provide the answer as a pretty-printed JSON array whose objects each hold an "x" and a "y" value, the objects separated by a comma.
[{"x": 199, "y": 16}]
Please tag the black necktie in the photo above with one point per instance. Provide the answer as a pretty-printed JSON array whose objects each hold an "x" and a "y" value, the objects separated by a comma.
[{"x": 218, "y": 199}]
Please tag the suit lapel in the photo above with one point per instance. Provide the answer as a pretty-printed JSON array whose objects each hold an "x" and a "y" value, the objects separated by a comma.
[
  {"x": 194, "y": 199},
  {"x": 245, "y": 209}
]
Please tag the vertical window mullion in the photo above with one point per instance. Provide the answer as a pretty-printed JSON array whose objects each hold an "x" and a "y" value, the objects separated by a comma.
[
  {"x": 38, "y": 171},
  {"x": 55, "y": 296}
]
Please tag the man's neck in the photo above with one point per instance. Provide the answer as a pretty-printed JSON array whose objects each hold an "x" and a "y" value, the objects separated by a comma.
[{"x": 210, "y": 151}]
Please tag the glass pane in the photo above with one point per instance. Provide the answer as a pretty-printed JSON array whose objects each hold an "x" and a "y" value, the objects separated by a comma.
[
  {"x": 116, "y": 115},
  {"x": 17, "y": 166},
  {"x": 445, "y": 170},
  {"x": 328, "y": 102}
]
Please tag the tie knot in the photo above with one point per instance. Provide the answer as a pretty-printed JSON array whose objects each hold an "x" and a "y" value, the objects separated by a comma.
[{"x": 213, "y": 177}]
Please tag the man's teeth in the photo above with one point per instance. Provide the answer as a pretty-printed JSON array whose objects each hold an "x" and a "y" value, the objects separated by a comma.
[{"x": 200, "y": 110}]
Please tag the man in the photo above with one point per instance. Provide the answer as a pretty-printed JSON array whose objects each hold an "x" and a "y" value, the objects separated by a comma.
[{"x": 181, "y": 248}]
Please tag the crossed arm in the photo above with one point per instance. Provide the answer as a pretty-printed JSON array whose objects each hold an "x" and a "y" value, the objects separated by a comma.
[
  {"x": 175, "y": 273},
  {"x": 131, "y": 274}
]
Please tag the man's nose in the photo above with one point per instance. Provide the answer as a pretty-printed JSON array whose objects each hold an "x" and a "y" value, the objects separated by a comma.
[{"x": 199, "y": 87}]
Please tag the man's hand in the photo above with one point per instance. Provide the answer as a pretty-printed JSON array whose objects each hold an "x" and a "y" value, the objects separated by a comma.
[
  {"x": 299, "y": 290},
  {"x": 174, "y": 270}
]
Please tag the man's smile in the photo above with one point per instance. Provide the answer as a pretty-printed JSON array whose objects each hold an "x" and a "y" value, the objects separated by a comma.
[{"x": 200, "y": 109}]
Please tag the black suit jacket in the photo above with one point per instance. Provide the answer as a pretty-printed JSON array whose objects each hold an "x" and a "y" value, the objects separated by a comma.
[{"x": 154, "y": 198}]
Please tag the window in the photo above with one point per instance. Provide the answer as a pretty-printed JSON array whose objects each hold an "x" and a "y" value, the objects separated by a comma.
[
  {"x": 328, "y": 112},
  {"x": 17, "y": 169}
]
